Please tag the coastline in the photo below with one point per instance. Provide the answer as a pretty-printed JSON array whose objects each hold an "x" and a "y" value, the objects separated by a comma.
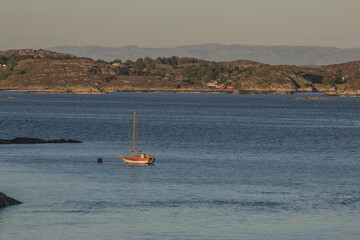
[
  {"x": 154, "y": 91},
  {"x": 84, "y": 91},
  {"x": 249, "y": 92}
]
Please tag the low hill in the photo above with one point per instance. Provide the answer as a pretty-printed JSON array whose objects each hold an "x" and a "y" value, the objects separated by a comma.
[{"x": 50, "y": 72}]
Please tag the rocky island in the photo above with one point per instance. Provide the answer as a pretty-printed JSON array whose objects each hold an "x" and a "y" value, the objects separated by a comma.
[
  {"x": 35, "y": 141},
  {"x": 7, "y": 201},
  {"x": 43, "y": 71}
]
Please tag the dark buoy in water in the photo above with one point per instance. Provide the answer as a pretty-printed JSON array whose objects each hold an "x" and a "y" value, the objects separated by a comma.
[{"x": 99, "y": 160}]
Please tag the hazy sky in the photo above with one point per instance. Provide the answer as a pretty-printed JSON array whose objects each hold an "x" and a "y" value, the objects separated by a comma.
[{"x": 169, "y": 23}]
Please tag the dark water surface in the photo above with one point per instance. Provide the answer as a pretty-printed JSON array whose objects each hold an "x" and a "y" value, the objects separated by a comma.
[{"x": 227, "y": 167}]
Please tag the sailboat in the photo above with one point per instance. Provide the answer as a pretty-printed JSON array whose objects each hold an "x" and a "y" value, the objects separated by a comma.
[{"x": 137, "y": 157}]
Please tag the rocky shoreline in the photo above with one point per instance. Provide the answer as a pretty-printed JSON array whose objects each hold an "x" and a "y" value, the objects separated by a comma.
[
  {"x": 36, "y": 141},
  {"x": 325, "y": 92},
  {"x": 190, "y": 90},
  {"x": 7, "y": 201},
  {"x": 317, "y": 97}
]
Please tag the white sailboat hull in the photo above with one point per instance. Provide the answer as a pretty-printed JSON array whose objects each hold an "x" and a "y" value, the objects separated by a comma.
[
  {"x": 147, "y": 161},
  {"x": 137, "y": 159}
]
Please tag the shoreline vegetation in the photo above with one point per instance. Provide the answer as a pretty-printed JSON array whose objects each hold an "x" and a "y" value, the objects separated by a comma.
[{"x": 43, "y": 71}]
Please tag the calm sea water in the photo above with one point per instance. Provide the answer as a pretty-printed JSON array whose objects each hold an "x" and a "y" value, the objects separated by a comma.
[{"x": 227, "y": 167}]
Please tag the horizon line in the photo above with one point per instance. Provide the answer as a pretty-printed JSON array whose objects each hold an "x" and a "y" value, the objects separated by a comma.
[{"x": 179, "y": 46}]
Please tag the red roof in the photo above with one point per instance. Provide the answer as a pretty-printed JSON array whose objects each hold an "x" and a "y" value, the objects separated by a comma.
[{"x": 118, "y": 65}]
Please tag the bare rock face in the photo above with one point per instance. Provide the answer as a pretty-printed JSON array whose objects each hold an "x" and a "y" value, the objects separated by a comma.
[{"x": 7, "y": 201}]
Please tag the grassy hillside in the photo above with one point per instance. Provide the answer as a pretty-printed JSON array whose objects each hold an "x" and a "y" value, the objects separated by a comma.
[{"x": 46, "y": 71}]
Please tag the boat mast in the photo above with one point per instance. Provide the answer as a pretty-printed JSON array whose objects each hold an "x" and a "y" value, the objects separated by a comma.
[{"x": 133, "y": 151}]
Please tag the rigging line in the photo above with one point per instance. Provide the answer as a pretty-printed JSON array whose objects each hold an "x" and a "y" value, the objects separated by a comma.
[
  {"x": 139, "y": 135},
  {"x": 143, "y": 136},
  {"x": 129, "y": 138}
]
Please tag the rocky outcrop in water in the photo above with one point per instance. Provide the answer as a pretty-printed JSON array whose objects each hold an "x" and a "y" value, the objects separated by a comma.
[
  {"x": 35, "y": 141},
  {"x": 7, "y": 201}
]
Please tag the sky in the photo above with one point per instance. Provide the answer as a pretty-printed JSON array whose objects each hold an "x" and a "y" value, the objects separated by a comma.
[{"x": 170, "y": 23}]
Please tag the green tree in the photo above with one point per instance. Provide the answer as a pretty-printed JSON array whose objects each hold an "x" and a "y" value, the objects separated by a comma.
[
  {"x": 129, "y": 63},
  {"x": 94, "y": 70},
  {"x": 101, "y": 61},
  {"x": 338, "y": 76},
  {"x": 174, "y": 60},
  {"x": 149, "y": 64},
  {"x": 148, "y": 60},
  {"x": 158, "y": 60},
  {"x": 150, "y": 67},
  {"x": 116, "y": 61},
  {"x": 248, "y": 73},
  {"x": 356, "y": 75},
  {"x": 139, "y": 66},
  {"x": 3, "y": 60},
  {"x": 193, "y": 75},
  {"x": 121, "y": 71}
]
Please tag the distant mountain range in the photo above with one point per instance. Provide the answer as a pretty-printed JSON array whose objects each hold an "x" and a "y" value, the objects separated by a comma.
[{"x": 274, "y": 55}]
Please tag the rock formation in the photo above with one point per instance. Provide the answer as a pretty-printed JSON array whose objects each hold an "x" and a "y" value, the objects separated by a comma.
[
  {"x": 35, "y": 141},
  {"x": 7, "y": 201}
]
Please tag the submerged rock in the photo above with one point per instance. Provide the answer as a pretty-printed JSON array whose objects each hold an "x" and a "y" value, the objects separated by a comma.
[
  {"x": 35, "y": 141},
  {"x": 7, "y": 201}
]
